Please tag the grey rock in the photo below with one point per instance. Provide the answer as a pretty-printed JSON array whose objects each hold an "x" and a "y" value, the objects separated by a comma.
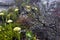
[{"x": 6, "y": 2}]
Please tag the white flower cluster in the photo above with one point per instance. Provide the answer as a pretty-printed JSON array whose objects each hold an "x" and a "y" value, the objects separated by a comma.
[
  {"x": 1, "y": 14},
  {"x": 17, "y": 29},
  {"x": 34, "y": 8},
  {"x": 9, "y": 21}
]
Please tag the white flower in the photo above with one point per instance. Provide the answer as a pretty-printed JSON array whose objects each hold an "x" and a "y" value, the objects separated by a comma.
[
  {"x": 17, "y": 29},
  {"x": 16, "y": 9},
  {"x": 28, "y": 6},
  {"x": 36, "y": 9},
  {"x": 9, "y": 21},
  {"x": 1, "y": 13}
]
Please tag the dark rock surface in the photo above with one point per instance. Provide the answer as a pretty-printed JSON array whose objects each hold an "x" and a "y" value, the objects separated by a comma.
[
  {"x": 51, "y": 14},
  {"x": 5, "y": 4}
]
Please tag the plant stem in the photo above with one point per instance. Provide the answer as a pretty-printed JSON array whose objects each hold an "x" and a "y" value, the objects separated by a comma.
[{"x": 2, "y": 19}]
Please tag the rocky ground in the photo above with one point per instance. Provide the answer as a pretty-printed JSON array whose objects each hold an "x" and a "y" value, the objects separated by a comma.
[{"x": 51, "y": 19}]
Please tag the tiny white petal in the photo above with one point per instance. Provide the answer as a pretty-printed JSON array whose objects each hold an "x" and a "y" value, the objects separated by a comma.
[
  {"x": 9, "y": 21},
  {"x": 36, "y": 9},
  {"x": 16, "y": 9}
]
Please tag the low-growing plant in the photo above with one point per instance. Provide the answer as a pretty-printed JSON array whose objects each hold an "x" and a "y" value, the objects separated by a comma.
[{"x": 13, "y": 21}]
